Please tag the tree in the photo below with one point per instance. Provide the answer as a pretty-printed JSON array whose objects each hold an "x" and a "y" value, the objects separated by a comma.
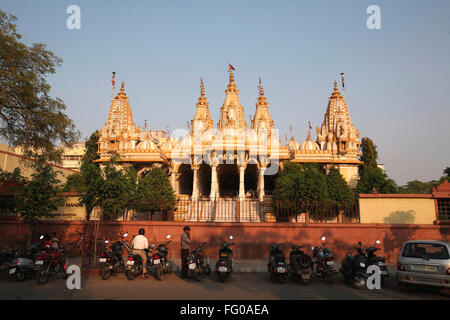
[
  {"x": 300, "y": 182},
  {"x": 35, "y": 198},
  {"x": 338, "y": 189},
  {"x": 447, "y": 172},
  {"x": 371, "y": 176},
  {"x": 155, "y": 191},
  {"x": 90, "y": 173},
  {"x": 29, "y": 117}
]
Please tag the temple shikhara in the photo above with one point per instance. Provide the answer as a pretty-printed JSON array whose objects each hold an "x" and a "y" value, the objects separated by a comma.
[{"x": 236, "y": 159}]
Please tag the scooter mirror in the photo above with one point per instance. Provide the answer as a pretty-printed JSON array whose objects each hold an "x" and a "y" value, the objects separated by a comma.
[
  {"x": 231, "y": 237},
  {"x": 125, "y": 235},
  {"x": 323, "y": 238},
  {"x": 168, "y": 236},
  {"x": 360, "y": 243},
  {"x": 41, "y": 237},
  {"x": 378, "y": 242},
  {"x": 106, "y": 241}
]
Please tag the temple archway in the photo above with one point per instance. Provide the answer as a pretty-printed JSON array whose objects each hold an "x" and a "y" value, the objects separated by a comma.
[
  {"x": 251, "y": 180},
  {"x": 185, "y": 180},
  {"x": 204, "y": 180},
  {"x": 228, "y": 176}
]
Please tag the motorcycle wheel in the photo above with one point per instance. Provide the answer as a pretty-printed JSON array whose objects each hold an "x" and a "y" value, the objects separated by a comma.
[
  {"x": 359, "y": 282},
  {"x": 42, "y": 277},
  {"x": 19, "y": 276},
  {"x": 197, "y": 274},
  {"x": 157, "y": 272},
  {"x": 221, "y": 277},
  {"x": 105, "y": 273},
  {"x": 130, "y": 275}
]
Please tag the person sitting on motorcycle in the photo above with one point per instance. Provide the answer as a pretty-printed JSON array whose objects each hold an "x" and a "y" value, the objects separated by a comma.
[
  {"x": 139, "y": 245},
  {"x": 55, "y": 241}
]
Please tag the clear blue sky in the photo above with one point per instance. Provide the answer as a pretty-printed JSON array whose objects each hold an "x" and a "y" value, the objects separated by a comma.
[{"x": 397, "y": 78}]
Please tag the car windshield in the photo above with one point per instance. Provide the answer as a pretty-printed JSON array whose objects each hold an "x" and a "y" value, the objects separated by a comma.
[{"x": 425, "y": 250}]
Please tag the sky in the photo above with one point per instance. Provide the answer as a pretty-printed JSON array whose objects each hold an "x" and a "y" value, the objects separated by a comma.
[{"x": 397, "y": 78}]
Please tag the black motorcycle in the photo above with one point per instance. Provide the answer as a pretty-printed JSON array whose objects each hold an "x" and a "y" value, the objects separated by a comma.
[
  {"x": 300, "y": 265},
  {"x": 354, "y": 267},
  {"x": 277, "y": 266},
  {"x": 323, "y": 262},
  {"x": 224, "y": 266},
  {"x": 160, "y": 265},
  {"x": 197, "y": 267},
  {"x": 111, "y": 260},
  {"x": 23, "y": 265}
]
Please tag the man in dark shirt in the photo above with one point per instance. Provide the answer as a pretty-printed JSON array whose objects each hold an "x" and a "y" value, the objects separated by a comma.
[{"x": 185, "y": 244}]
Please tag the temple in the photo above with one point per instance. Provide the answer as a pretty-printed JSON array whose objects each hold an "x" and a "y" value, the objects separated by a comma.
[{"x": 237, "y": 159}]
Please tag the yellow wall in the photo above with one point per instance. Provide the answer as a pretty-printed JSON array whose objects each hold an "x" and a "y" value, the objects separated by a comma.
[
  {"x": 9, "y": 160},
  {"x": 397, "y": 210},
  {"x": 71, "y": 210}
]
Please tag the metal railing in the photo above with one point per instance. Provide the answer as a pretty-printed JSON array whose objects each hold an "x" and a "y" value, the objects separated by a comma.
[{"x": 245, "y": 210}]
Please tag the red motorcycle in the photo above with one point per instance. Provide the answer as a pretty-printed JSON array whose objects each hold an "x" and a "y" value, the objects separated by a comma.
[{"x": 50, "y": 262}]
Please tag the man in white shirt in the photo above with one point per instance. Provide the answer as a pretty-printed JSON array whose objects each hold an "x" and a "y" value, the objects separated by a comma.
[{"x": 139, "y": 244}]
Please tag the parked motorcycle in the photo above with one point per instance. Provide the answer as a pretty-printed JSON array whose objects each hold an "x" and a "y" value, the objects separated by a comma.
[
  {"x": 160, "y": 264},
  {"x": 50, "y": 262},
  {"x": 323, "y": 262},
  {"x": 380, "y": 261},
  {"x": 23, "y": 265},
  {"x": 300, "y": 265},
  {"x": 111, "y": 260},
  {"x": 277, "y": 266},
  {"x": 354, "y": 267},
  {"x": 197, "y": 267},
  {"x": 224, "y": 266}
]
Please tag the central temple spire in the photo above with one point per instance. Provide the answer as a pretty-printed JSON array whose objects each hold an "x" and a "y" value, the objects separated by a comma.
[
  {"x": 232, "y": 112},
  {"x": 202, "y": 120},
  {"x": 262, "y": 118}
]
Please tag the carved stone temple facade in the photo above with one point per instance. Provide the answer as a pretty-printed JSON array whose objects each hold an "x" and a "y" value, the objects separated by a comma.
[{"x": 237, "y": 159}]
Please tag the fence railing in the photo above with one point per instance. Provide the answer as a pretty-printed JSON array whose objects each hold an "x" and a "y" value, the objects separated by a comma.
[{"x": 246, "y": 210}]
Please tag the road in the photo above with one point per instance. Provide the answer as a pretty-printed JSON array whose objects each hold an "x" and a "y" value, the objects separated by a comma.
[{"x": 243, "y": 286}]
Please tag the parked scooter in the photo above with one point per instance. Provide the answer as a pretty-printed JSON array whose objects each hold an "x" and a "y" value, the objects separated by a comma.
[
  {"x": 323, "y": 262},
  {"x": 300, "y": 265},
  {"x": 22, "y": 266},
  {"x": 224, "y": 266},
  {"x": 197, "y": 267},
  {"x": 160, "y": 264},
  {"x": 50, "y": 262},
  {"x": 277, "y": 266},
  {"x": 111, "y": 260},
  {"x": 354, "y": 267},
  {"x": 7, "y": 255},
  {"x": 380, "y": 261}
]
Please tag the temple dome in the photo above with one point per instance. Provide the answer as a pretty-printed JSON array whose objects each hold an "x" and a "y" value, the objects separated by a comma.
[
  {"x": 309, "y": 145},
  {"x": 293, "y": 145}
]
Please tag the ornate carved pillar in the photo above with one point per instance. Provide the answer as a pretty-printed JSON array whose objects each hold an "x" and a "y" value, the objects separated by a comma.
[
  {"x": 262, "y": 169},
  {"x": 214, "y": 163},
  {"x": 195, "y": 182},
  {"x": 241, "y": 182}
]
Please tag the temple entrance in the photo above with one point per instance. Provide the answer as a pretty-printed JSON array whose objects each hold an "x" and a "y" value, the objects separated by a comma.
[
  {"x": 228, "y": 176},
  {"x": 204, "y": 180},
  {"x": 185, "y": 179},
  {"x": 251, "y": 180}
]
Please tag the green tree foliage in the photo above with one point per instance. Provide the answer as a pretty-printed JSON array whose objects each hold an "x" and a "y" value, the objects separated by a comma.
[
  {"x": 338, "y": 189},
  {"x": 35, "y": 198},
  {"x": 447, "y": 172},
  {"x": 371, "y": 176},
  {"x": 301, "y": 182},
  {"x": 90, "y": 173},
  {"x": 29, "y": 117},
  {"x": 155, "y": 191},
  {"x": 74, "y": 182}
]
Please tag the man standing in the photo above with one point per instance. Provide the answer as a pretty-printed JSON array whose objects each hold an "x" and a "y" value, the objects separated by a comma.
[
  {"x": 185, "y": 244},
  {"x": 139, "y": 244}
]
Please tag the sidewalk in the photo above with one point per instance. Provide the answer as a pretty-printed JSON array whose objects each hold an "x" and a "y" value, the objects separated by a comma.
[{"x": 239, "y": 266}]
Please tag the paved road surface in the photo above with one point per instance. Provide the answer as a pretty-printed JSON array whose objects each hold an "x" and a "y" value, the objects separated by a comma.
[{"x": 241, "y": 286}]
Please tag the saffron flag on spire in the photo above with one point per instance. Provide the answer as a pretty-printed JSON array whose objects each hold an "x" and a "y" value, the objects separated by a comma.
[
  {"x": 113, "y": 81},
  {"x": 230, "y": 67}
]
